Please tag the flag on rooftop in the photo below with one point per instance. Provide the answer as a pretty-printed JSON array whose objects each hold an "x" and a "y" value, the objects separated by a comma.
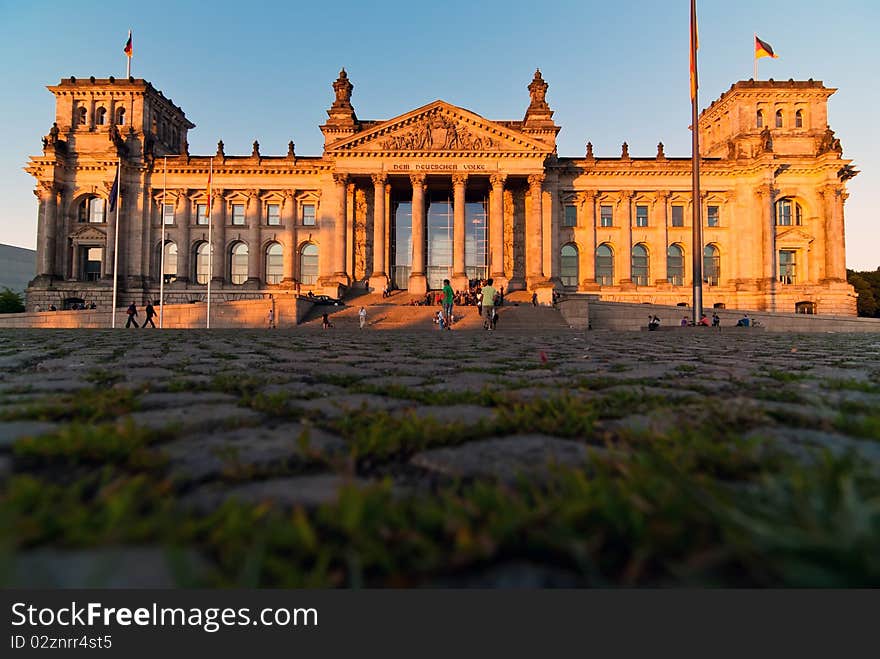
[
  {"x": 763, "y": 49},
  {"x": 114, "y": 191},
  {"x": 128, "y": 49}
]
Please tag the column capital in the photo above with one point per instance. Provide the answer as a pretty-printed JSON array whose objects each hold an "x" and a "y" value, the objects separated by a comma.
[
  {"x": 624, "y": 196},
  {"x": 340, "y": 179},
  {"x": 662, "y": 195},
  {"x": 45, "y": 190},
  {"x": 379, "y": 179},
  {"x": 497, "y": 180},
  {"x": 586, "y": 196},
  {"x": 766, "y": 190},
  {"x": 536, "y": 180},
  {"x": 387, "y": 188},
  {"x": 832, "y": 190},
  {"x": 417, "y": 180},
  {"x": 459, "y": 179},
  {"x": 349, "y": 187}
]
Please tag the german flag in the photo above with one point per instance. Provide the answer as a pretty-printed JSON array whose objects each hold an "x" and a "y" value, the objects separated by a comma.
[
  {"x": 763, "y": 49},
  {"x": 128, "y": 49}
]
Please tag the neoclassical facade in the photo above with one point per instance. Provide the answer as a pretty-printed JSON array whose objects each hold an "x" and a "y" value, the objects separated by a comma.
[{"x": 441, "y": 192}]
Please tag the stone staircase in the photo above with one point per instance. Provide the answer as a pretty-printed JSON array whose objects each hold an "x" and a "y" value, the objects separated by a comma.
[{"x": 397, "y": 313}]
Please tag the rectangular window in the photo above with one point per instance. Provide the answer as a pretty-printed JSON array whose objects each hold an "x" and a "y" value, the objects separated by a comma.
[
  {"x": 570, "y": 219},
  {"x": 787, "y": 266},
  {"x": 712, "y": 216},
  {"x": 308, "y": 214},
  {"x": 201, "y": 214},
  {"x": 641, "y": 216},
  {"x": 96, "y": 210},
  {"x": 167, "y": 213},
  {"x": 92, "y": 259},
  {"x": 678, "y": 216},
  {"x": 238, "y": 214},
  {"x": 273, "y": 214},
  {"x": 606, "y": 216}
]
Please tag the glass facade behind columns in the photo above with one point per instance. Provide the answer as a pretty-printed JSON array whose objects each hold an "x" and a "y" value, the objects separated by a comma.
[
  {"x": 476, "y": 234},
  {"x": 439, "y": 225},
  {"x": 401, "y": 244}
]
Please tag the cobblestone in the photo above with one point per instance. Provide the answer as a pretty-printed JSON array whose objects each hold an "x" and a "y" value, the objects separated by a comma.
[{"x": 412, "y": 412}]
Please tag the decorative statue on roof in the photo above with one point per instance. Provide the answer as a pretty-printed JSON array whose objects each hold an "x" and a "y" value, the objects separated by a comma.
[
  {"x": 343, "y": 88},
  {"x": 731, "y": 150},
  {"x": 538, "y": 92},
  {"x": 290, "y": 150},
  {"x": 624, "y": 151},
  {"x": 590, "y": 150},
  {"x": 661, "y": 154},
  {"x": 256, "y": 152},
  {"x": 220, "y": 152},
  {"x": 829, "y": 143},
  {"x": 53, "y": 133}
]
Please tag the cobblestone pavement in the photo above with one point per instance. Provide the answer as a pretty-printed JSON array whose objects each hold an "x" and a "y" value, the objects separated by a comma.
[{"x": 256, "y": 458}]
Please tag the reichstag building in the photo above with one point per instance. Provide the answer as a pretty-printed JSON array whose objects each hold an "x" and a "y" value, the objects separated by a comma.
[{"x": 441, "y": 192}]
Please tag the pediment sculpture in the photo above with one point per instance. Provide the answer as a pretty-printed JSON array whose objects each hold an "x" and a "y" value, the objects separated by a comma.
[{"x": 437, "y": 133}]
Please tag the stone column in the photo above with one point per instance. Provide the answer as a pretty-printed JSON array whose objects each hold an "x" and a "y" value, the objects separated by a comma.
[
  {"x": 662, "y": 203},
  {"x": 379, "y": 278},
  {"x": 46, "y": 228},
  {"x": 339, "y": 245},
  {"x": 835, "y": 244},
  {"x": 288, "y": 221},
  {"x": 459, "y": 274},
  {"x": 587, "y": 227},
  {"x": 184, "y": 249},
  {"x": 252, "y": 217},
  {"x": 388, "y": 230},
  {"x": 418, "y": 283},
  {"x": 218, "y": 233},
  {"x": 766, "y": 195},
  {"x": 625, "y": 257},
  {"x": 110, "y": 223},
  {"x": 496, "y": 229},
  {"x": 534, "y": 233}
]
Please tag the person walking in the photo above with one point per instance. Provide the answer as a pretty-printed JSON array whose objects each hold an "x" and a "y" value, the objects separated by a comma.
[
  {"x": 132, "y": 314},
  {"x": 150, "y": 313},
  {"x": 716, "y": 320},
  {"x": 488, "y": 302},
  {"x": 362, "y": 317},
  {"x": 272, "y": 317},
  {"x": 448, "y": 299},
  {"x": 535, "y": 299}
]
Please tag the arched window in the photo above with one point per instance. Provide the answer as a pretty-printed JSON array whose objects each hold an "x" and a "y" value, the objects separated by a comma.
[
  {"x": 675, "y": 265},
  {"x": 779, "y": 118},
  {"x": 91, "y": 209},
  {"x": 120, "y": 116},
  {"x": 788, "y": 213},
  {"x": 759, "y": 119},
  {"x": 238, "y": 263},
  {"x": 308, "y": 264},
  {"x": 799, "y": 119},
  {"x": 81, "y": 114},
  {"x": 170, "y": 270},
  {"x": 604, "y": 265},
  {"x": 274, "y": 264},
  {"x": 711, "y": 265},
  {"x": 568, "y": 265},
  {"x": 201, "y": 265},
  {"x": 640, "y": 274},
  {"x": 100, "y": 116}
]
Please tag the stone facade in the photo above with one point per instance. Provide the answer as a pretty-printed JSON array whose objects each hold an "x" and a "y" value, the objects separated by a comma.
[{"x": 440, "y": 192}]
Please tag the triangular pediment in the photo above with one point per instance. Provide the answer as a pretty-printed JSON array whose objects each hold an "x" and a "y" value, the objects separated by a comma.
[
  {"x": 439, "y": 128},
  {"x": 88, "y": 233},
  {"x": 794, "y": 234}
]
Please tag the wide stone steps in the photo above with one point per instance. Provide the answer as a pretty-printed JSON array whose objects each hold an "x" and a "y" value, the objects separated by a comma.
[{"x": 398, "y": 316}]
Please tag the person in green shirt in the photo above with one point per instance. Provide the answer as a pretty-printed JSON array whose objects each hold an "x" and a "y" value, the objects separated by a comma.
[
  {"x": 488, "y": 304},
  {"x": 448, "y": 294}
]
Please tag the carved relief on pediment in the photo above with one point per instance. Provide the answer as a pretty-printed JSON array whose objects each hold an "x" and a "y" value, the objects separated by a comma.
[
  {"x": 88, "y": 234},
  {"x": 437, "y": 132}
]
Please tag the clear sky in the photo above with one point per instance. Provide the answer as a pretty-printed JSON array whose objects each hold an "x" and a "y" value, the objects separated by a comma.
[{"x": 262, "y": 70}]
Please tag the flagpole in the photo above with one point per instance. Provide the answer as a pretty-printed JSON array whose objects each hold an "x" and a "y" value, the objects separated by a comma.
[
  {"x": 162, "y": 247},
  {"x": 754, "y": 43},
  {"x": 210, "y": 240},
  {"x": 116, "y": 242},
  {"x": 697, "y": 237}
]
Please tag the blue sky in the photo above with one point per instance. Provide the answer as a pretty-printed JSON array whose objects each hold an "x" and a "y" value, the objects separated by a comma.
[{"x": 262, "y": 70}]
